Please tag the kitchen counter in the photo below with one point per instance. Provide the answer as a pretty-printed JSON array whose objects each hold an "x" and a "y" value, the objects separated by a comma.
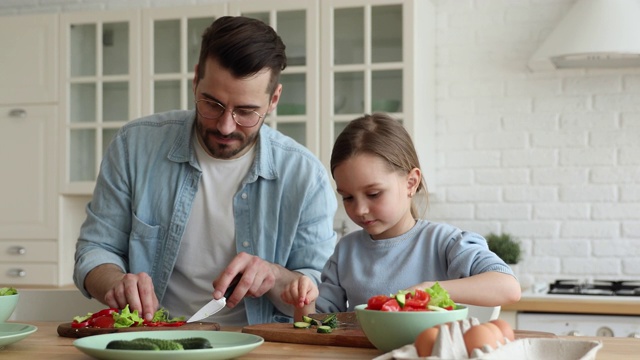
[
  {"x": 46, "y": 344},
  {"x": 607, "y": 305}
]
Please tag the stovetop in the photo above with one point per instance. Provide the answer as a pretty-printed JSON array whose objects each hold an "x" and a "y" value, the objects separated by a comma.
[{"x": 597, "y": 287}]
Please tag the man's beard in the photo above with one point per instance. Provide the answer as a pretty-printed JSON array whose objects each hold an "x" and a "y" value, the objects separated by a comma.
[{"x": 224, "y": 151}]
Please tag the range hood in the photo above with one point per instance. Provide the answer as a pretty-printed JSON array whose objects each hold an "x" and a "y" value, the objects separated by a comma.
[{"x": 594, "y": 34}]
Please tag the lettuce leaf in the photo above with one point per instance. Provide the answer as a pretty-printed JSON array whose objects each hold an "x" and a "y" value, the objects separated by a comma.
[
  {"x": 162, "y": 315},
  {"x": 439, "y": 296},
  {"x": 8, "y": 291},
  {"x": 126, "y": 318}
]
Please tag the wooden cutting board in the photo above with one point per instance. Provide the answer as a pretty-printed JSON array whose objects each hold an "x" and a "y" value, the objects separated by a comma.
[
  {"x": 65, "y": 329},
  {"x": 348, "y": 332}
]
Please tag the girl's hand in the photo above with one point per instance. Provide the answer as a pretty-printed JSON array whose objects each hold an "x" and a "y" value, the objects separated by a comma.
[{"x": 300, "y": 292}]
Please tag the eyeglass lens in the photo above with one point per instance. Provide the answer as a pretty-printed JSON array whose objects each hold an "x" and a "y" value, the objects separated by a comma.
[{"x": 213, "y": 110}]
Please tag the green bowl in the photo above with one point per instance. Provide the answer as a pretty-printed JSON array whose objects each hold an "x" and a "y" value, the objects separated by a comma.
[
  {"x": 8, "y": 303},
  {"x": 391, "y": 330}
]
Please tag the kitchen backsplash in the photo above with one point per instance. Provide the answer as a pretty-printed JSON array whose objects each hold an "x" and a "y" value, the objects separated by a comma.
[{"x": 552, "y": 158}]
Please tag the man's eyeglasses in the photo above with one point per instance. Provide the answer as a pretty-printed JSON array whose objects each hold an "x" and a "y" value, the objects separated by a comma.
[{"x": 210, "y": 109}]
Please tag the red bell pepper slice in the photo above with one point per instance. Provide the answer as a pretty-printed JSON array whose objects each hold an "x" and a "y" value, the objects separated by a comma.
[{"x": 79, "y": 325}]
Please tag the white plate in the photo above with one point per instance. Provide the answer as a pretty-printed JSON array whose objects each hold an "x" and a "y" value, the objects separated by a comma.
[
  {"x": 14, "y": 332},
  {"x": 225, "y": 344}
]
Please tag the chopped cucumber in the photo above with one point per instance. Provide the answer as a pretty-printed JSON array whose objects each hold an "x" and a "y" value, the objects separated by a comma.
[
  {"x": 324, "y": 329},
  {"x": 301, "y": 325},
  {"x": 307, "y": 319},
  {"x": 330, "y": 320}
]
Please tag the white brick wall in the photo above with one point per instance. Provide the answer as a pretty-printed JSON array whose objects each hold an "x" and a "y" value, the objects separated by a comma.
[
  {"x": 560, "y": 151},
  {"x": 553, "y": 158}
]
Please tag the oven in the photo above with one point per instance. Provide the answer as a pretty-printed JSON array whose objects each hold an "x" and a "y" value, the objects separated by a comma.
[{"x": 604, "y": 293}]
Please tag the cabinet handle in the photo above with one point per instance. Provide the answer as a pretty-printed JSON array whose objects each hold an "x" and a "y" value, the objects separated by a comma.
[
  {"x": 17, "y": 250},
  {"x": 18, "y": 113},
  {"x": 16, "y": 273}
]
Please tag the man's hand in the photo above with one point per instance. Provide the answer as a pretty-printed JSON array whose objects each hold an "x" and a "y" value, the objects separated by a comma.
[
  {"x": 112, "y": 287},
  {"x": 257, "y": 277}
]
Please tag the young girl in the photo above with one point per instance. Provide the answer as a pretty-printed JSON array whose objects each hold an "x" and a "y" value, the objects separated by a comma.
[{"x": 377, "y": 173}]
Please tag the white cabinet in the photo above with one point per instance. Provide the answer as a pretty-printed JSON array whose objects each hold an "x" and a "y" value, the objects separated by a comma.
[
  {"x": 29, "y": 59},
  {"x": 100, "y": 90},
  {"x": 29, "y": 167}
]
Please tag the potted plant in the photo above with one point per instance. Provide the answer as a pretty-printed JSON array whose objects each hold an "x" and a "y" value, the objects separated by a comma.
[{"x": 505, "y": 246}]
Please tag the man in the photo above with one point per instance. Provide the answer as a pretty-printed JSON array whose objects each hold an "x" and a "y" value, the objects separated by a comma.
[{"x": 187, "y": 200}]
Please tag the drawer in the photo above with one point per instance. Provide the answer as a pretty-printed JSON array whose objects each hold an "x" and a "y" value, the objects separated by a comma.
[
  {"x": 16, "y": 274},
  {"x": 18, "y": 251}
]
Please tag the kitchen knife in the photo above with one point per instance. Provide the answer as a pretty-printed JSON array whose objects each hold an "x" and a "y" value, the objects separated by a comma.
[{"x": 214, "y": 305}]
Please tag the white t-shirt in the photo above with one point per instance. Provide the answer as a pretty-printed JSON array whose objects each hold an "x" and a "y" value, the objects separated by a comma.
[{"x": 208, "y": 244}]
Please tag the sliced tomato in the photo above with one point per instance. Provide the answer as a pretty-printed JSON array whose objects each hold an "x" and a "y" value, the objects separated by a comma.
[
  {"x": 391, "y": 305},
  {"x": 420, "y": 294},
  {"x": 105, "y": 321},
  {"x": 416, "y": 304},
  {"x": 376, "y": 302}
]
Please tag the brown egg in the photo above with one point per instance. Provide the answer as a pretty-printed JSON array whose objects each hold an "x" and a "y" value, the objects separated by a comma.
[
  {"x": 497, "y": 333},
  {"x": 477, "y": 336},
  {"x": 506, "y": 329},
  {"x": 425, "y": 341}
]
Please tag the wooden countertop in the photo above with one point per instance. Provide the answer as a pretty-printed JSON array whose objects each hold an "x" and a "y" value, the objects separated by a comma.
[
  {"x": 46, "y": 344},
  {"x": 575, "y": 304}
]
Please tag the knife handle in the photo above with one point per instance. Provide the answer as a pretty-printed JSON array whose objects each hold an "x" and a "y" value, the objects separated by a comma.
[{"x": 232, "y": 286}]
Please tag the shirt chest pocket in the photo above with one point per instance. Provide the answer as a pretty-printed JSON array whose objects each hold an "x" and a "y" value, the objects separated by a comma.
[{"x": 144, "y": 243}]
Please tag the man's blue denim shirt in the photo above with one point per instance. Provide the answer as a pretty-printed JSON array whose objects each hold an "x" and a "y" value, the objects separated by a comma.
[{"x": 143, "y": 196}]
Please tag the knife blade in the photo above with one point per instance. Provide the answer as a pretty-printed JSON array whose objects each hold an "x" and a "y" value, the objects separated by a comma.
[
  {"x": 209, "y": 309},
  {"x": 214, "y": 305}
]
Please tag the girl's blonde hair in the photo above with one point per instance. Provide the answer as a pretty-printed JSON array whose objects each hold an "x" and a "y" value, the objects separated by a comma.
[{"x": 380, "y": 135}]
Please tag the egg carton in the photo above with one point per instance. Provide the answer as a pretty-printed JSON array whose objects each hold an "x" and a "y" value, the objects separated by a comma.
[{"x": 450, "y": 345}]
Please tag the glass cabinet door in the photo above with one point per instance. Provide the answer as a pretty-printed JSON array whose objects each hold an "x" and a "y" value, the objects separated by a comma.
[
  {"x": 296, "y": 22},
  {"x": 99, "y": 69},
  {"x": 377, "y": 56},
  {"x": 172, "y": 39},
  {"x": 364, "y": 61}
]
